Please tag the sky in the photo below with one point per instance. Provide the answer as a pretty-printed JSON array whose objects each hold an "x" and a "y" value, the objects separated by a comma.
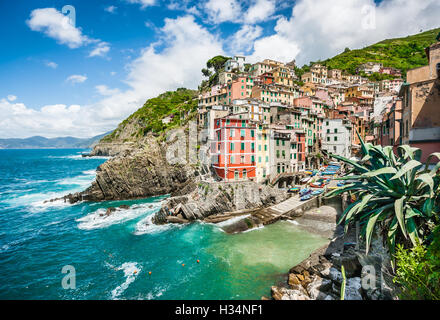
[{"x": 78, "y": 68}]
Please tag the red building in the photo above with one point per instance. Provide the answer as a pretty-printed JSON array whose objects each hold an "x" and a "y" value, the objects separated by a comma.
[{"x": 233, "y": 149}]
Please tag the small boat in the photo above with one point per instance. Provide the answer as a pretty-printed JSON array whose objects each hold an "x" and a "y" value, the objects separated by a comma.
[
  {"x": 293, "y": 190},
  {"x": 340, "y": 184},
  {"x": 317, "y": 192},
  {"x": 305, "y": 180},
  {"x": 305, "y": 191},
  {"x": 306, "y": 197}
]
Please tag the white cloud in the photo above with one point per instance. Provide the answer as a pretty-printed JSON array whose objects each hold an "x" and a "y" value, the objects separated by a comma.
[
  {"x": 111, "y": 9},
  {"x": 53, "y": 120},
  {"x": 322, "y": 29},
  {"x": 100, "y": 50},
  {"x": 243, "y": 40},
  {"x": 274, "y": 47},
  {"x": 260, "y": 10},
  {"x": 52, "y": 64},
  {"x": 76, "y": 78},
  {"x": 106, "y": 91},
  {"x": 11, "y": 97},
  {"x": 222, "y": 10},
  {"x": 57, "y": 26},
  {"x": 175, "y": 61},
  {"x": 143, "y": 3}
]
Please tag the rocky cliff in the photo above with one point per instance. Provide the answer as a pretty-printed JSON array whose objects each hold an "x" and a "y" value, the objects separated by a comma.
[
  {"x": 138, "y": 147},
  {"x": 217, "y": 198},
  {"x": 138, "y": 172}
]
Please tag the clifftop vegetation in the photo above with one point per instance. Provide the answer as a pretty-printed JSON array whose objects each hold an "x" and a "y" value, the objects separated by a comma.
[
  {"x": 174, "y": 105},
  {"x": 401, "y": 53}
]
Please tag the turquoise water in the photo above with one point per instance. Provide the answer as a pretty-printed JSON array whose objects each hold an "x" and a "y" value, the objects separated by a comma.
[{"x": 113, "y": 256}]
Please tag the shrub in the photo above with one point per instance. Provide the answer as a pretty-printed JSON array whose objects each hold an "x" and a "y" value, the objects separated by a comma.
[{"x": 418, "y": 270}]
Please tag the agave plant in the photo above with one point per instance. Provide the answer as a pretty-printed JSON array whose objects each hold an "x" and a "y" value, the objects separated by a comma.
[{"x": 396, "y": 191}]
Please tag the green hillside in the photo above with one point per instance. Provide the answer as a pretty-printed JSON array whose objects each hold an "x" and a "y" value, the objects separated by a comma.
[
  {"x": 401, "y": 53},
  {"x": 149, "y": 117}
]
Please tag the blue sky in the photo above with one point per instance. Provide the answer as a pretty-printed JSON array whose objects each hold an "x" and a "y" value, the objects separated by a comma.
[{"x": 84, "y": 79}]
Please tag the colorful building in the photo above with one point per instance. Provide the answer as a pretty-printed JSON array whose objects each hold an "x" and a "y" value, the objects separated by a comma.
[{"x": 233, "y": 150}]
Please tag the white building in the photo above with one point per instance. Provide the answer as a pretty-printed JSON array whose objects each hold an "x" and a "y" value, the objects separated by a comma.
[
  {"x": 337, "y": 137},
  {"x": 236, "y": 63}
]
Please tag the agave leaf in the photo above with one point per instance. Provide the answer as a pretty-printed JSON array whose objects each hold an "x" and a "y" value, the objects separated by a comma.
[
  {"x": 427, "y": 179},
  {"x": 347, "y": 210},
  {"x": 392, "y": 230},
  {"x": 408, "y": 166},
  {"x": 351, "y": 162},
  {"x": 412, "y": 230},
  {"x": 427, "y": 207},
  {"x": 417, "y": 153},
  {"x": 398, "y": 209},
  {"x": 360, "y": 206},
  {"x": 432, "y": 155},
  {"x": 405, "y": 151},
  {"x": 370, "y": 227},
  {"x": 386, "y": 170}
]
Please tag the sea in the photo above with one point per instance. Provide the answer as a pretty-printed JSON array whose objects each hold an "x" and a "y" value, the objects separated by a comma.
[{"x": 55, "y": 250}]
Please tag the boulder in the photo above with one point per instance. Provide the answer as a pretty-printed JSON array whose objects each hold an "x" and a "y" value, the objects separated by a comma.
[
  {"x": 351, "y": 264},
  {"x": 288, "y": 294},
  {"x": 124, "y": 206},
  {"x": 335, "y": 275},
  {"x": 109, "y": 211},
  {"x": 319, "y": 288},
  {"x": 353, "y": 289},
  {"x": 293, "y": 279}
]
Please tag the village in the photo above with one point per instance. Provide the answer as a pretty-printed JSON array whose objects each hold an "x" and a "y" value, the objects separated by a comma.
[{"x": 263, "y": 125}]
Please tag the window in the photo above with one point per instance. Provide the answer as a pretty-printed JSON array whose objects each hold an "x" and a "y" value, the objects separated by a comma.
[
  {"x": 228, "y": 121},
  {"x": 328, "y": 130},
  {"x": 232, "y": 132},
  {"x": 278, "y": 153},
  {"x": 244, "y": 174},
  {"x": 242, "y": 159},
  {"x": 336, "y": 130},
  {"x": 253, "y": 146},
  {"x": 259, "y": 147},
  {"x": 252, "y": 159},
  {"x": 236, "y": 175},
  {"x": 232, "y": 160},
  {"x": 232, "y": 147},
  {"x": 252, "y": 133},
  {"x": 242, "y": 133},
  {"x": 242, "y": 146},
  {"x": 336, "y": 138}
]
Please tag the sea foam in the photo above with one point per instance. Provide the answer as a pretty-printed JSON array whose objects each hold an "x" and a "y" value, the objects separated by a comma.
[
  {"x": 98, "y": 219},
  {"x": 130, "y": 275}
]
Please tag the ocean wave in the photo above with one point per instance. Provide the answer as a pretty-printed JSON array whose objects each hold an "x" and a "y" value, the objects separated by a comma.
[
  {"x": 36, "y": 202},
  {"x": 146, "y": 226},
  {"x": 254, "y": 229},
  {"x": 84, "y": 180},
  {"x": 99, "y": 219},
  {"x": 79, "y": 157},
  {"x": 231, "y": 221},
  {"x": 131, "y": 271}
]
